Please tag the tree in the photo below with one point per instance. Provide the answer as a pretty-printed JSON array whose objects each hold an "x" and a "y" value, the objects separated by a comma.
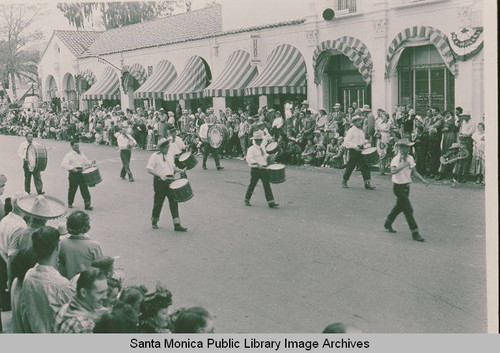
[
  {"x": 117, "y": 14},
  {"x": 16, "y": 31}
]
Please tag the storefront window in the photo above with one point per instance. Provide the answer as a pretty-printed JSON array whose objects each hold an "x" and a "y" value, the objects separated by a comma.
[{"x": 424, "y": 80}]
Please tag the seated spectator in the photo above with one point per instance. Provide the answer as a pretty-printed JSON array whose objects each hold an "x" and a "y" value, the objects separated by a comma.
[
  {"x": 319, "y": 157},
  {"x": 45, "y": 291},
  {"x": 21, "y": 263},
  {"x": 155, "y": 316},
  {"x": 309, "y": 152},
  {"x": 80, "y": 314},
  {"x": 133, "y": 296},
  {"x": 194, "y": 320},
  {"x": 77, "y": 251},
  {"x": 120, "y": 320}
]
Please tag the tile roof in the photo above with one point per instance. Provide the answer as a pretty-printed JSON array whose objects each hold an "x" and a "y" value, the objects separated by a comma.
[
  {"x": 172, "y": 29},
  {"x": 77, "y": 41}
]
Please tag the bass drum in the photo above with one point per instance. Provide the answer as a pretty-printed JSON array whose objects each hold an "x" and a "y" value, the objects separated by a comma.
[
  {"x": 37, "y": 158},
  {"x": 217, "y": 135}
]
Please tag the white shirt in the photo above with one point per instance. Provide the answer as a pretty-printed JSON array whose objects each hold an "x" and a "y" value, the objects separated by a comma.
[
  {"x": 404, "y": 175},
  {"x": 21, "y": 152},
  {"x": 160, "y": 166},
  {"x": 467, "y": 128},
  {"x": 354, "y": 138},
  {"x": 123, "y": 142},
  {"x": 256, "y": 156},
  {"x": 10, "y": 225},
  {"x": 74, "y": 160},
  {"x": 278, "y": 122}
]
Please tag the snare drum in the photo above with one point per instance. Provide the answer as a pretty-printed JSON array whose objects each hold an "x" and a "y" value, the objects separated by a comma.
[
  {"x": 187, "y": 160},
  {"x": 91, "y": 176},
  {"x": 276, "y": 173},
  {"x": 370, "y": 156},
  {"x": 37, "y": 158},
  {"x": 182, "y": 190},
  {"x": 272, "y": 147}
]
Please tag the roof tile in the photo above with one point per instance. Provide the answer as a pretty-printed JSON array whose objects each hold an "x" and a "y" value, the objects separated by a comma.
[
  {"x": 77, "y": 41},
  {"x": 181, "y": 27}
]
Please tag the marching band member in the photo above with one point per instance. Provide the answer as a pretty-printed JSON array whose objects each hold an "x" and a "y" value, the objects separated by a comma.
[
  {"x": 75, "y": 162},
  {"x": 206, "y": 147},
  {"x": 258, "y": 159},
  {"x": 402, "y": 167},
  {"x": 125, "y": 144},
  {"x": 355, "y": 141},
  {"x": 162, "y": 166},
  {"x": 23, "y": 154}
]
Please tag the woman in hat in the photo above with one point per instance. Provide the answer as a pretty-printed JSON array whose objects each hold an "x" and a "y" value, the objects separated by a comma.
[
  {"x": 162, "y": 166},
  {"x": 155, "y": 314},
  {"x": 402, "y": 167},
  {"x": 258, "y": 159}
]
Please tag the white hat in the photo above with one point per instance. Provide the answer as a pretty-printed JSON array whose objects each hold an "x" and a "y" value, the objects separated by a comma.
[
  {"x": 366, "y": 108},
  {"x": 164, "y": 141},
  {"x": 337, "y": 105},
  {"x": 258, "y": 135}
]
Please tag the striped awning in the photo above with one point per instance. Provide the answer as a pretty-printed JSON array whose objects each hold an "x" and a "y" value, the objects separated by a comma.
[
  {"x": 237, "y": 74},
  {"x": 351, "y": 47},
  {"x": 137, "y": 71},
  {"x": 420, "y": 35},
  {"x": 284, "y": 72},
  {"x": 190, "y": 83},
  {"x": 106, "y": 87},
  {"x": 158, "y": 82},
  {"x": 88, "y": 76}
]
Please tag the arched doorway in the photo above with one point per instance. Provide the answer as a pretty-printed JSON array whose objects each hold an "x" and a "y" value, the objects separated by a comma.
[
  {"x": 422, "y": 69},
  {"x": 343, "y": 68},
  {"x": 52, "y": 93},
  {"x": 70, "y": 94}
]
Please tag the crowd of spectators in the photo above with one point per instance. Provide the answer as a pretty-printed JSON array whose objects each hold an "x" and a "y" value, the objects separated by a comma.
[
  {"x": 448, "y": 145},
  {"x": 58, "y": 280}
]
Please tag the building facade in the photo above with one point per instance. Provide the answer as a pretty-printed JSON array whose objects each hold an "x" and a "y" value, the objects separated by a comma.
[{"x": 378, "y": 52}]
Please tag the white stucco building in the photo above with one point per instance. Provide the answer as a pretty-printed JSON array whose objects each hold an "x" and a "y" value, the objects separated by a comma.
[{"x": 377, "y": 52}]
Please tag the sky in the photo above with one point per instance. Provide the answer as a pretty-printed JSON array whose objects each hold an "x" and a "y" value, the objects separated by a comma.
[{"x": 235, "y": 14}]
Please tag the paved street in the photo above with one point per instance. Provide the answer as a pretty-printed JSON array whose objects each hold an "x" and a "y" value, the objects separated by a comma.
[{"x": 322, "y": 257}]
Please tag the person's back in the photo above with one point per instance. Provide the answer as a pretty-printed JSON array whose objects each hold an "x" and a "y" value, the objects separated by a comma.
[
  {"x": 44, "y": 291},
  {"x": 76, "y": 253},
  {"x": 21, "y": 263}
]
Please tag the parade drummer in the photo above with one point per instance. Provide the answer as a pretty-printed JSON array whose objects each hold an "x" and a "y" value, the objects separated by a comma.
[
  {"x": 178, "y": 142},
  {"x": 125, "y": 145},
  {"x": 162, "y": 166},
  {"x": 206, "y": 145},
  {"x": 75, "y": 162},
  {"x": 355, "y": 141},
  {"x": 258, "y": 159},
  {"x": 402, "y": 167},
  {"x": 23, "y": 154}
]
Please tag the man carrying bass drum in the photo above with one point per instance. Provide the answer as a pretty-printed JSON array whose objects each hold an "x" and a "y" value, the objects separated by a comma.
[{"x": 257, "y": 159}]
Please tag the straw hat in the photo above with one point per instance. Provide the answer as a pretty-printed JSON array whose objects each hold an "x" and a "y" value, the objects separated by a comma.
[
  {"x": 164, "y": 141},
  {"x": 405, "y": 142},
  {"x": 366, "y": 108},
  {"x": 41, "y": 206},
  {"x": 357, "y": 117},
  {"x": 455, "y": 145}
]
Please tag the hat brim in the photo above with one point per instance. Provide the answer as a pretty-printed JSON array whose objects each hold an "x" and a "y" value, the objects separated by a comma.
[{"x": 55, "y": 208}]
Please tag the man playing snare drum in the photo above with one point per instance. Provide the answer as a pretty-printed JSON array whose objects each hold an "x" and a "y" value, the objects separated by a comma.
[
  {"x": 162, "y": 166},
  {"x": 75, "y": 162},
  {"x": 23, "y": 154},
  {"x": 257, "y": 159}
]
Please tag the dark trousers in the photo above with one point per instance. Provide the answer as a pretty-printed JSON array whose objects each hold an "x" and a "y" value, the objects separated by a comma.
[
  {"x": 36, "y": 178},
  {"x": 255, "y": 175},
  {"x": 402, "y": 192},
  {"x": 162, "y": 190},
  {"x": 434, "y": 155},
  {"x": 209, "y": 149},
  {"x": 125, "y": 157},
  {"x": 467, "y": 141},
  {"x": 75, "y": 181},
  {"x": 421, "y": 149},
  {"x": 4, "y": 294},
  {"x": 355, "y": 157}
]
